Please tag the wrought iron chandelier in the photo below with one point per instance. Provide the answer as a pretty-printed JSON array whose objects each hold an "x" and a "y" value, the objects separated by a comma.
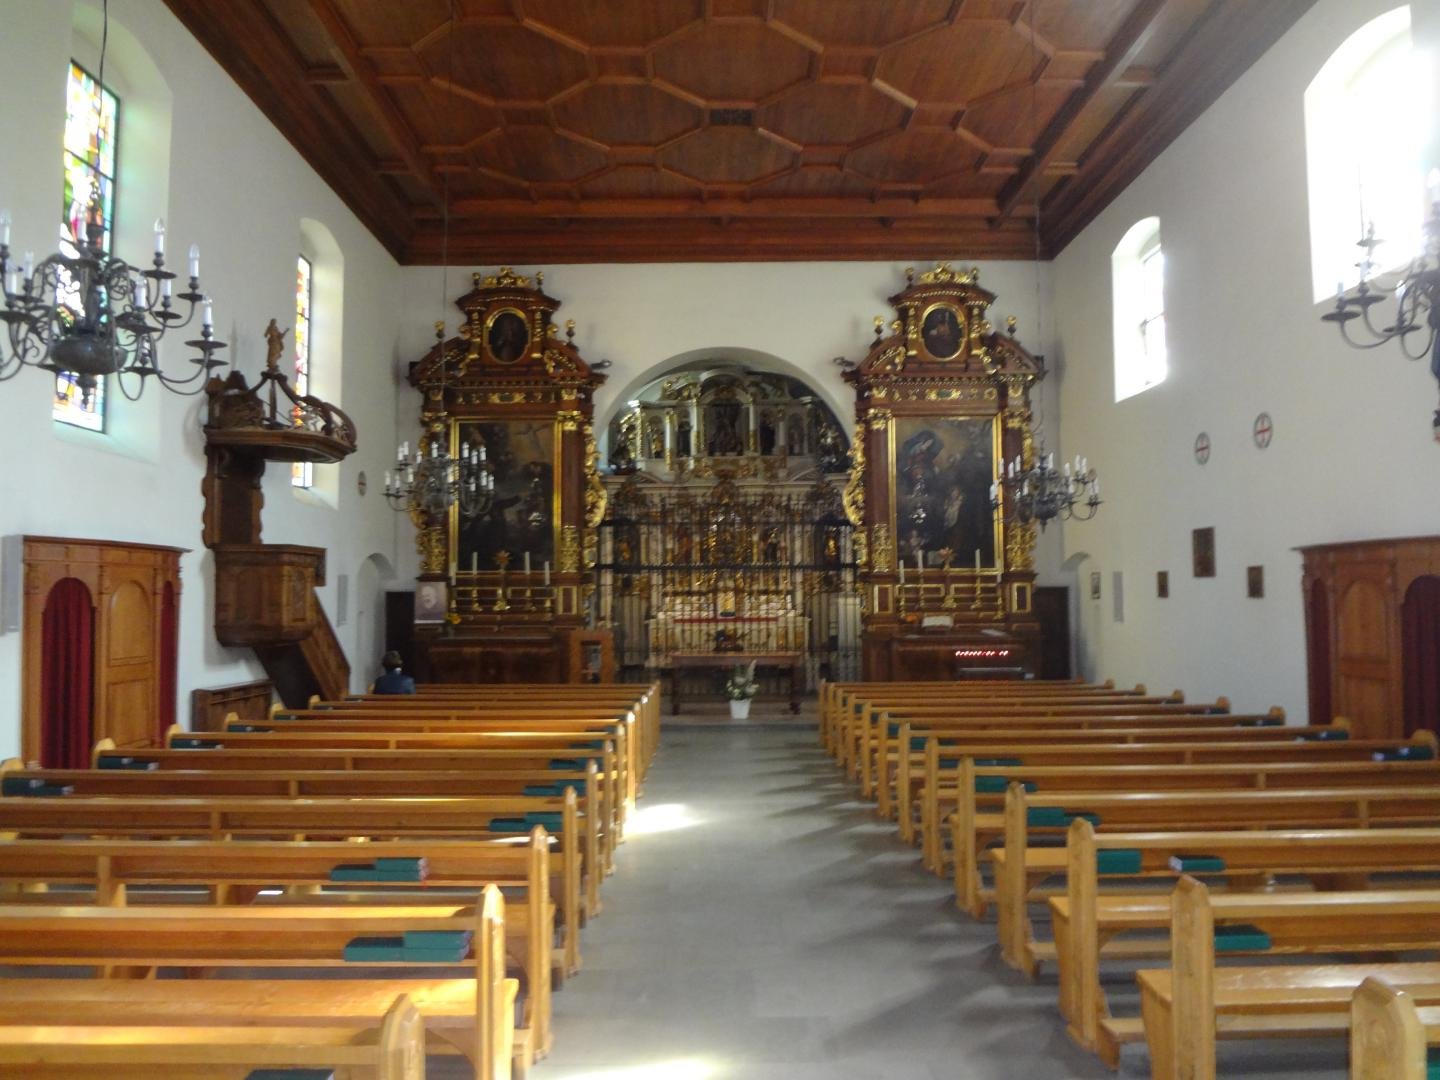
[
  {"x": 85, "y": 311},
  {"x": 427, "y": 483},
  {"x": 431, "y": 481},
  {"x": 1042, "y": 492},
  {"x": 1416, "y": 295}
]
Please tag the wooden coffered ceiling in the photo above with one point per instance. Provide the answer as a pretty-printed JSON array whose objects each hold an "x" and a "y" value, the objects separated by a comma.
[{"x": 655, "y": 130}]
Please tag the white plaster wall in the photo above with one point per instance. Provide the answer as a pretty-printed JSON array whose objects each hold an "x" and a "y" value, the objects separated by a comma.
[
  {"x": 240, "y": 190},
  {"x": 1352, "y": 455},
  {"x": 643, "y": 317}
]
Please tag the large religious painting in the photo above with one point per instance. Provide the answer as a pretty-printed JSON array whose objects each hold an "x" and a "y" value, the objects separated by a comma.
[
  {"x": 521, "y": 518},
  {"x": 943, "y": 470}
]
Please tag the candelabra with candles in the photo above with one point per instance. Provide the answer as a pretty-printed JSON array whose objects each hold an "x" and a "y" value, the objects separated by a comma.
[
  {"x": 429, "y": 481},
  {"x": 87, "y": 312},
  {"x": 1042, "y": 492},
  {"x": 1416, "y": 293}
]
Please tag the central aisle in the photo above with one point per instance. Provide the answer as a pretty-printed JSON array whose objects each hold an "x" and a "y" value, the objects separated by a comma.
[{"x": 763, "y": 924}]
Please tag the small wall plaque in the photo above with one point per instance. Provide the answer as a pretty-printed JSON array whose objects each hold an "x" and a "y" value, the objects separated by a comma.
[
  {"x": 1255, "y": 582},
  {"x": 1202, "y": 544},
  {"x": 1202, "y": 448},
  {"x": 1264, "y": 430},
  {"x": 1095, "y": 585},
  {"x": 1162, "y": 584}
]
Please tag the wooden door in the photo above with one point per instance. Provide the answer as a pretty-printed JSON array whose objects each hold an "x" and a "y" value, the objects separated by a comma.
[{"x": 1052, "y": 611}]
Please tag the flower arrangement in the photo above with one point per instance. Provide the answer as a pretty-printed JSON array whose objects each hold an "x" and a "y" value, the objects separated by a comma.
[{"x": 741, "y": 685}]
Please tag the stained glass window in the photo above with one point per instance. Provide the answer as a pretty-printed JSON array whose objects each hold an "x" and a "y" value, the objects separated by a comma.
[
  {"x": 92, "y": 127},
  {"x": 302, "y": 473}
]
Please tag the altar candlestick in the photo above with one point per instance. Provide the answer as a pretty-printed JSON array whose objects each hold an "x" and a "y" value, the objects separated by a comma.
[
  {"x": 527, "y": 562},
  {"x": 902, "y": 571},
  {"x": 547, "y": 573}
]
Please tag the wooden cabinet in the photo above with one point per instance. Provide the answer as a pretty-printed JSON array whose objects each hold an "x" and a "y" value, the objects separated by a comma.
[
  {"x": 128, "y": 585},
  {"x": 1354, "y": 595}
]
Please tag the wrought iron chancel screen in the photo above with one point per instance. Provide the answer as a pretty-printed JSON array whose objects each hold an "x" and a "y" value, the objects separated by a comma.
[{"x": 718, "y": 565}]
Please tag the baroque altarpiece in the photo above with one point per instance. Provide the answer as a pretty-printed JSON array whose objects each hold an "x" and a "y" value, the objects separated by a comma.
[
  {"x": 503, "y": 595},
  {"x": 725, "y": 537},
  {"x": 941, "y": 400}
]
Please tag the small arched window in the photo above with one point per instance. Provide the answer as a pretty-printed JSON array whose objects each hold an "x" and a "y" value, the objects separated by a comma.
[
  {"x": 1363, "y": 149},
  {"x": 1138, "y": 275}
]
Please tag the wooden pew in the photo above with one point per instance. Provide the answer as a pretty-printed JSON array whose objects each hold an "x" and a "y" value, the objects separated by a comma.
[
  {"x": 473, "y": 1015},
  {"x": 939, "y": 796},
  {"x": 248, "y": 818},
  {"x": 1390, "y": 1036},
  {"x": 979, "y": 816},
  {"x": 849, "y": 699},
  {"x": 333, "y": 783},
  {"x": 1189, "y": 811},
  {"x": 613, "y": 745},
  {"x": 1189, "y": 1006},
  {"x": 903, "y": 768},
  {"x": 322, "y": 758},
  {"x": 400, "y": 722},
  {"x": 217, "y": 1051},
  {"x": 1330, "y": 857},
  {"x": 235, "y": 872}
]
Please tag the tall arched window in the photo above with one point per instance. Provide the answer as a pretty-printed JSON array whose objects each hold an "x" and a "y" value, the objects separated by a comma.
[
  {"x": 317, "y": 342},
  {"x": 1138, "y": 275},
  {"x": 1363, "y": 146},
  {"x": 302, "y": 473},
  {"x": 92, "y": 134}
]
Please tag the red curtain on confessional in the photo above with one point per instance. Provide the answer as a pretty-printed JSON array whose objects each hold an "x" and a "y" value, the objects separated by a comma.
[
  {"x": 67, "y": 666},
  {"x": 1420, "y": 650},
  {"x": 169, "y": 653}
]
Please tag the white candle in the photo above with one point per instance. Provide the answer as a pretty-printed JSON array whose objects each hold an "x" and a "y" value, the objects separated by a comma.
[
  {"x": 902, "y": 571},
  {"x": 527, "y": 562},
  {"x": 4, "y": 228},
  {"x": 474, "y": 562},
  {"x": 160, "y": 236},
  {"x": 207, "y": 313},
  {"x": 29, "y": 268},
  {"x": 194, "y": 260},
  {"x": 977, "y": 560},
  {"x": 547, "y": 572},
  {"x": 452, "y": 571},
  {"x": 920, "y": 562}
]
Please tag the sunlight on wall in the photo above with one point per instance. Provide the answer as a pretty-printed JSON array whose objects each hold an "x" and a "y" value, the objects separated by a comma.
[
  {"x": 683, "y": 1069},
  {"x": 663, "y": 817}
]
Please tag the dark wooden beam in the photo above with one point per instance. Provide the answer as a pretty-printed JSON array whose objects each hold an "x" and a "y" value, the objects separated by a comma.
[
  {"x": 353, "y": 60},
  {"x": 1123, "y": 47},
  {"x": 978, "y": 209},
  {"x": 1216, "y": 52}
]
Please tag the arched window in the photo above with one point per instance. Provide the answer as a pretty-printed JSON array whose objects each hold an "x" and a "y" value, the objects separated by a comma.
[
  {"x": 90, "y": 155},
  {"x": 302, "y": 473},
  {"x": 137, "y": 167},
  {"x": 316, "y": 342},
  {"x": 1363, "y": 149},
  {"x": 1138, "y": 273}
]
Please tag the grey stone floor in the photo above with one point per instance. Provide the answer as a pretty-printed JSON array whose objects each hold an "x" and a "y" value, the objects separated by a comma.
[{"x": 772, "y": 927}]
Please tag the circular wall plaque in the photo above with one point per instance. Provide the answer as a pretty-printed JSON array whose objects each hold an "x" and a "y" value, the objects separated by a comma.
[
  {"x": 1264, "y": 430},
  {"x": 360, "y": 482},
  {"x": 1202, "y": 448}
]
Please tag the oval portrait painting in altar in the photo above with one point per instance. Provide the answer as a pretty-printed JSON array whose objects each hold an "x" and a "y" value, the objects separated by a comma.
[
  {"x": 506, "y": 336},
  {"x": 942, "y": 332}
]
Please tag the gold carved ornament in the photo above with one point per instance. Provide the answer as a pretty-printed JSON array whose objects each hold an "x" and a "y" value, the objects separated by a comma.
[
  {"x": 430, "y": 544},
  {"x": 854, "y": 497},
  {"x": 595, "y": 495},
  {"x": 882, "y": 548},
  {"x": 569, "y": 549},
  {"x": 1020, "y": 546}
]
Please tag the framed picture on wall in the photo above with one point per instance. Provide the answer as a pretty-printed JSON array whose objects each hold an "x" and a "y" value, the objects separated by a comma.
[
  {"x": 1095, "y": 585},
  {"x": 1202, "y": 544},
  {"x": 432, "y": 601},
  {"x": 1255, "y": 582},
  {"x": 1162, "y": 584}
]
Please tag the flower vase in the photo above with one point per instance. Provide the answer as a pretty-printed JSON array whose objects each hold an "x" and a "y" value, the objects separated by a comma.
[{"x": 740, "y": 708}]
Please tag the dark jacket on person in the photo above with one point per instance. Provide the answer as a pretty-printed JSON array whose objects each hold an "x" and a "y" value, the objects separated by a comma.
[{"x": 394, "y": 681}]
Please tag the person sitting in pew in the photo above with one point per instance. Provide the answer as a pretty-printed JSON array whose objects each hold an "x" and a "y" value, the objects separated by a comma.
[{"x": 394, "y": 681}]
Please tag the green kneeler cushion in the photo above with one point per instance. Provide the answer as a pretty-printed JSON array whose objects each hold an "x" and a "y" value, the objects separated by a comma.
[
  {"x": 408, "y": 869},
  {"x": 1241, "y": 937},
  {"x": 996, "y": 785},
  {"x": 1057, "y": 816},
  {"x": 997, "y": 762},
  {"x": 1432, "y": 1064},
  {"x": 34, "y": 788},
  {"x": 566, "y": 765},
  {"x": 917, "y": 742},
  {"x": 117, "y": 761},
  {"x": 1117, "y": 861},
  {"x": 194, "y": 744},
  {"x": 1405, "y": 753},
  {"x": 1329, "y": 735},
  {"x": 552, "y": 820},
  {"x": 1261, "y": 721},
  {"x": 555, "y": 790},
  {"x": 598, "y": 744},
  {"x": 372, "y": 950},
  {"x": 1197, "y": 864}
]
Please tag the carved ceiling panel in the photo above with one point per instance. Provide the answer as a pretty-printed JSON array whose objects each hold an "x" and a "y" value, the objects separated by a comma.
[{"x": 732, "y": 129}]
